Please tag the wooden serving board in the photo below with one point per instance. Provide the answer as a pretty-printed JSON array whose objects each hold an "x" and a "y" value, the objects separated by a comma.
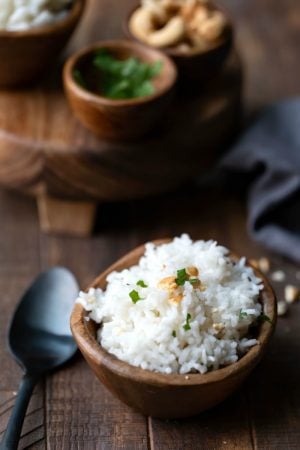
[{"x": 46, "y": 152}]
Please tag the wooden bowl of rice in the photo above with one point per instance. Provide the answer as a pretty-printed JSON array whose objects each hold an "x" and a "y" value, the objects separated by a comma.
[
  {"x": 169, "y": 396},
  {"x": 27, "y": 55}
]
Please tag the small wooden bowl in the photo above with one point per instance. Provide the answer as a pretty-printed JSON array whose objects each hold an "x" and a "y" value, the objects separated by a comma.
[
  {"x": 119, "y": 119},
  {"x": 26, "y": 55},
  {"x": 196, "y": 66},
  {"x": 157, "y": 394}
]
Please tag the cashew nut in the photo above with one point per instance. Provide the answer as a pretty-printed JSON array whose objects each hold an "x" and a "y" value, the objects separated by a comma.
[
  {"x": 213, "y": 27},
  {"x": 200, "y": 15},
  {"x": 141, "y": 23},
  {"x": 192, "y": 271},
  {"x": 189, "y": 8},
  {"x": 158, "y": 10},
  {"x": 169, "y": 35},
  {"x": 187, "y": 24},
  {"x": 197, "y": 41},
  {"x": 142, "y": 26},
  {"x": 167, "y": 284}
]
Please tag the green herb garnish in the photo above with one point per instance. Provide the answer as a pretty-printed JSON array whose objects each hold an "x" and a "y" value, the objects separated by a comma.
[
  {"x": 182, "y": 277},
  {"x": 124, "y": 79},
  {"x": 187, "y": 325},
  {"x": 242, "y": 314},
  {"x": 142, "y": 284},
  {"x": 79, "y": 78},
  {"x": 264, "y": 318},
  {"x": 135, "y": 296},
  {"x": 174, "y": 333},
  {"x": 194, "y": 280}
]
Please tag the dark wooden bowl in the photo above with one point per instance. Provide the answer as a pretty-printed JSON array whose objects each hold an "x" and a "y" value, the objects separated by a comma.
[
  {"x": 26, "y": 55},
  {"x": 196, "y": 66},
  {"x": 120, "y": 119},
  {"x": 157, "y": 394}
]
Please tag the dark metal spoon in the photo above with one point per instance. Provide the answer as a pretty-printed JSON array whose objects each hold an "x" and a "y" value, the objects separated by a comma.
[{"x": 40, "y": 338}]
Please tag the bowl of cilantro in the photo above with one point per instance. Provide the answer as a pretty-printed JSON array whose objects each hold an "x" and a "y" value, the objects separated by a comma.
[{"x": 119, "y": 90}]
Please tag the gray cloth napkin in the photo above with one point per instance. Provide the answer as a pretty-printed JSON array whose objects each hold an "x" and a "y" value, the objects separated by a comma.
[{"x": 268, "y": 157}]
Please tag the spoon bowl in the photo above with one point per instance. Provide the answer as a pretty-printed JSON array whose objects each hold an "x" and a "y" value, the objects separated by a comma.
[
  {"x": 40, "y": 338},
  {"x": 39, "y": 334}
]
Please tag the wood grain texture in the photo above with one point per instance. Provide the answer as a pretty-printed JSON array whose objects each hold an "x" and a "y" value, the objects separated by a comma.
[
  {"x": 208, "y": 431},
  {"x": 56, "y": 156},
  {"x": 265, "y": 414},
  {"x": 19, "y": 263}
]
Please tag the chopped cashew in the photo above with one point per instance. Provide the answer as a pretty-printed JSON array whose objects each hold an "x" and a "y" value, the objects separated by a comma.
[
  {"x": 278, "y": 276},
  {"x": 291, "y": 293},
  {"x": 192, "y": 271},
  {"x": 167, "y": 284},
  {"x": 218, "y": 326},
  {"x": 282, "y": 308},
  {"x": 264, "y": 264},
  {"x": 176, "y": 298}
]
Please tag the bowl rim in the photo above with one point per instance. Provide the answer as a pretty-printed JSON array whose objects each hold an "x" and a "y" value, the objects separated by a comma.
[
  {"x": 75, "y": 12},
  {"x": 100, "y": 357},
  {"x": 172, "y": 52},
  {"x": 85, "y": 95}
]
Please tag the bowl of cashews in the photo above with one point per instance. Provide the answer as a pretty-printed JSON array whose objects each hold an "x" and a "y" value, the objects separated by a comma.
[{"x": 197, "y": 34}]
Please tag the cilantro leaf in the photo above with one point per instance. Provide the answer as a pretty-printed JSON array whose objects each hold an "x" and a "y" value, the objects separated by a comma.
[
  {"x": 182, "y": 277},
  {"x": 242, "y": 314},
  {"x": 77, "y": 75},
  {"x": 187, "y": 325},
  {"x": 144, "y": 89},
  {"x": 264, "y": 318},
  {"x": 122, "y": 79},
  {"x": 135, "y": 296},
  {"x": 155, "y": 69},
  {"x": 142, "y": 284}
]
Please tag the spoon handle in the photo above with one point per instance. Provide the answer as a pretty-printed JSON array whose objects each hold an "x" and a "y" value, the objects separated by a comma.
[{"x": 14, "y": 427}]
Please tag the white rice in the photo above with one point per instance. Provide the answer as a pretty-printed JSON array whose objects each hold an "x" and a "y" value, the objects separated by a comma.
[
  {"x": 19, "y": 15},
  {"x": 153, "y": 332}
]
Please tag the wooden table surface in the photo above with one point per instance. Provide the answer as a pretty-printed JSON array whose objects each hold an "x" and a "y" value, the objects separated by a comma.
[{"x": 70, "y": 410}]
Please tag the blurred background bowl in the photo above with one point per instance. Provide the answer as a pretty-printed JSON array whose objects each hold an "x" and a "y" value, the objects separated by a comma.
[
  {"x": 125, "y": 119},
  {"x": 196, "y": 65},
  {"x": 27, "y": 55}
]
